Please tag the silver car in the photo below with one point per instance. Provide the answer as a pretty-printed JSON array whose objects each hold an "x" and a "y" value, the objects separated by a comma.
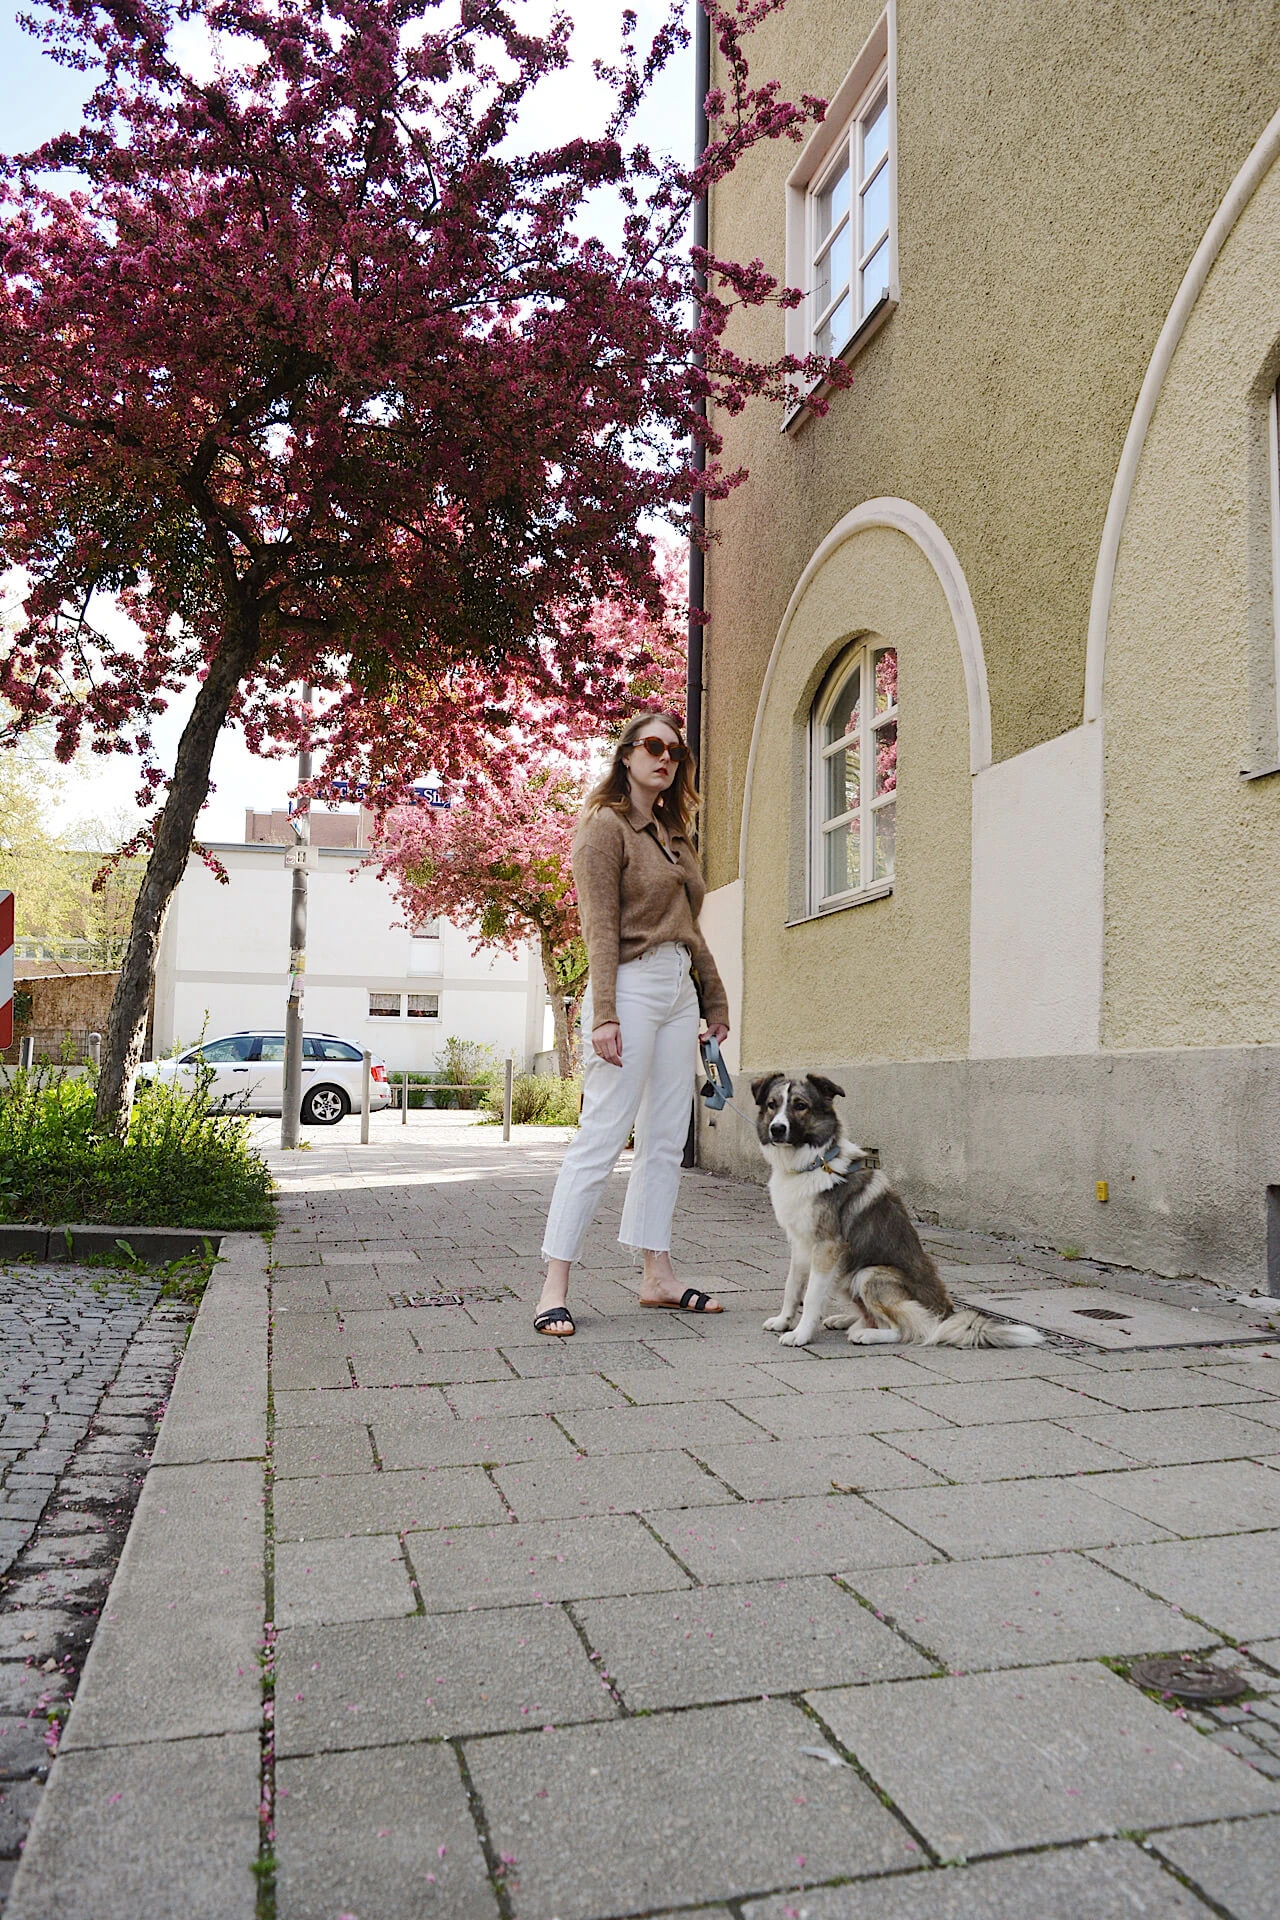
[{"x": 248, "y": 1072}]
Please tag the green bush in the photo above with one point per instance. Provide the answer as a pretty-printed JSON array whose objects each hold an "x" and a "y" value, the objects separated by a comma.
[
  {"x": 463, "y": 1061},
  {"x": 537, "y": 1100},
  {"x": 182, "y": 1163}
]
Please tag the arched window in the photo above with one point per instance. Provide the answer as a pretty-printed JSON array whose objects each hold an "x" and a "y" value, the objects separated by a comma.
[{"x": 854, "y": 759}]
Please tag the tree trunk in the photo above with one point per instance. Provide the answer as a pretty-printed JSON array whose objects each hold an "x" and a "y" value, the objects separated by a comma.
[
  {"x": 189, "y": 788},
  {"x": 555, "y": 991}
]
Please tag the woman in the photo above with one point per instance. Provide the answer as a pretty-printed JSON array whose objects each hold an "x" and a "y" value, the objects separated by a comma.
[{"x": 639, "y": 892}]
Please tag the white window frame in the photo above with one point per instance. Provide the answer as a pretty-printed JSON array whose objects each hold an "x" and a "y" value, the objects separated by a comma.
[
  {"x": 417, "y": 1013},
  {"x": 859, "y": 658},
  {"x": 873, "y": 74},
  {"x": 384, "y": 1013}
]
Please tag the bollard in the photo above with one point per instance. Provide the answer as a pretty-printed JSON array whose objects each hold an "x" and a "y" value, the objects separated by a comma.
[
  {"x": 366, "y": 1065},
  {"x": 507, "y": 1071},
  {"x": 404, "y": 1099},
  {"x": 95, "y": 1049},
  {"x": 27, "y": 1051}
]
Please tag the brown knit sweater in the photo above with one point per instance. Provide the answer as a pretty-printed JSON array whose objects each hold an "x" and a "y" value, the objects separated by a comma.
[{"x": 633, "y": 895}]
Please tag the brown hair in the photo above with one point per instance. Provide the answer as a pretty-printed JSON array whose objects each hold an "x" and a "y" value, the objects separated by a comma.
[{"x": 676, "y": 807}]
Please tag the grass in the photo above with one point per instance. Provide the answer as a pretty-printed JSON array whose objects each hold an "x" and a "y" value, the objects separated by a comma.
[{"x": 182, "y": 1162}]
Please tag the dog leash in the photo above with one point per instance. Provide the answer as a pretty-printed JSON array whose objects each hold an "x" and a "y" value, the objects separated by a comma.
[{"x": 718, "y": 1090}]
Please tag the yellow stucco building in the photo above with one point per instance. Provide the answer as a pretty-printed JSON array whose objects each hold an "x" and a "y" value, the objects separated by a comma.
[{"x": 1035, "y": 547}]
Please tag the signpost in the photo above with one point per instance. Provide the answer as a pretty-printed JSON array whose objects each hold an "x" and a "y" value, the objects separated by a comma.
[
  {"x": 6, "y": 967},
  {"x": 300, "y": 858}
]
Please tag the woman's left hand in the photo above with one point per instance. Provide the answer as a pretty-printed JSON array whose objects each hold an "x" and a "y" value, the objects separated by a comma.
[{"x": 719, "y": 1033}]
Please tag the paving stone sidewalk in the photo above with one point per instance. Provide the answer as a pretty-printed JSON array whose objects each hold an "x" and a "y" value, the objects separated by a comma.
[
  {"x": 671, "y": 1619},
  {"x": 87, "y": 1359}
]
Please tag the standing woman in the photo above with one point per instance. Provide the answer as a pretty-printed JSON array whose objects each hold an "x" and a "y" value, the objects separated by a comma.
[{"x": 652, "y": 979}]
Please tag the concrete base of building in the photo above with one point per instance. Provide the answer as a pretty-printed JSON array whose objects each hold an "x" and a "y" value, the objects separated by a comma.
[{"x": 1186, "y": 1141}]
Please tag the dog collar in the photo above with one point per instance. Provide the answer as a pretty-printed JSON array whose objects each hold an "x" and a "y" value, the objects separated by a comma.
[{"x": 823, "y": 1161}]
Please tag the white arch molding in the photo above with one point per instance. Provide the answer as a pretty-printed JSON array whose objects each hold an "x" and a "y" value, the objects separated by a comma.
[
  {"x": 902, "y": 517},
  {"x": 1238, "y": 195}
]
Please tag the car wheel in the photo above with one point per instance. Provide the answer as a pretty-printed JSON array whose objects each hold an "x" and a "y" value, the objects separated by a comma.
[{"x": 325, "y": 1106}]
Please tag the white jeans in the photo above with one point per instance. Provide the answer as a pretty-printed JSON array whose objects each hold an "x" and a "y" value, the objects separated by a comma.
[{"x": 652, "y": 1090}]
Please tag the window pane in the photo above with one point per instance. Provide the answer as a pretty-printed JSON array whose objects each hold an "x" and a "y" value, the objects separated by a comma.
[
  {"x": 875, "y": 135},
  {"x": 842, "y": 859},
  {"x": 886, "y": 679},
  {"x": 875, "y": 277},
  {"x": 884, "y": 832},
  {"x": 222, "y": 1052},
  {"x": 384, "y": 1006},
  {"x": 843, "y": 717},
  {"x": 335, "y": 1050},
  {"x": 875, "y": 209},
  {"x": 424, "y": 1006},
  {"x": 833, "y": 202},
  {"x": 842, "y": 783},
  {"x": 887, "y": 758},
  {"x": 272, "y": 1047},
  {"x": 833, "y": 333}
]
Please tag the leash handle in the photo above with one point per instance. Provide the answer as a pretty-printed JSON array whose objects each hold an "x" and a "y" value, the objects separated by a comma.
[{"x": 718, "y": 1090}]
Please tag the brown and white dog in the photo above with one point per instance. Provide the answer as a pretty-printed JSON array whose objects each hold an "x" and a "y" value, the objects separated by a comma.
[{"x": 853, "y": 1244}]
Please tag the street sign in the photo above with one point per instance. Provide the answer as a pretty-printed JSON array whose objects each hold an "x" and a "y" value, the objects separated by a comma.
[
  {"x": 6, "y": 967},
  {"x": 303, "y": 855}
]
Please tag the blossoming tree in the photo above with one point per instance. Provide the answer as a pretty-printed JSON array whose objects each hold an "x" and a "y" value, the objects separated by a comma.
[
  {"x": 307, "y": 367},
  {"x": 499, "y": 859}
]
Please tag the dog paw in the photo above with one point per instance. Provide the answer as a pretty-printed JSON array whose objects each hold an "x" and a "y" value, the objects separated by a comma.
[
  {"x": 837, "y": 1322},
  {"x": 778, "y": 1324},
  {"x": 794, "y": 1339},
  {"x": 873, "y": 1337}
]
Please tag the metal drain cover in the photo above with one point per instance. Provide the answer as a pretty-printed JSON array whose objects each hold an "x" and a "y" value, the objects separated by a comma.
[
  {"x": 463, "y": 1297},
  {"x": 1099, "y": 1313},
  {"x": 1189, "y": 1679}
]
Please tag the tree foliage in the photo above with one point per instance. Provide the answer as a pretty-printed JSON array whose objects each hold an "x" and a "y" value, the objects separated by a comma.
[{"x": 311, "y": 370}]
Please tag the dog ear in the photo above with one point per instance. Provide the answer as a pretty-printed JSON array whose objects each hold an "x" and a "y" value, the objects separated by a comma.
[
  {"x": 760, "y": 1088},
  {"x": 827, "y": 1088}
]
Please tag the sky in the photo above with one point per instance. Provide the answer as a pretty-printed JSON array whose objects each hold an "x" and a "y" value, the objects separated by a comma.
[{"x": 39, "y": 99}]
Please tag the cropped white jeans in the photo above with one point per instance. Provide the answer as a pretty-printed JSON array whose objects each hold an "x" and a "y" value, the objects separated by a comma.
[{"x": 651, "y": 1091}]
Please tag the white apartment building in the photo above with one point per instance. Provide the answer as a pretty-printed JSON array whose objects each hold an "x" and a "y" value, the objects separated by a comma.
[{"x": 224, "y": 962}]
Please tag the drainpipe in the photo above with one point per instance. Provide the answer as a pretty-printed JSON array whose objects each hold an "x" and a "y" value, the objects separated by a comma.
[{"x": 697, "y": 559}]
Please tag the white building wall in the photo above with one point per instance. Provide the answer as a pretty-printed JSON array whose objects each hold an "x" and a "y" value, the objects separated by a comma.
[
  {"x": 1035, "y": 977},
  {"x": 223, "y": 963}
]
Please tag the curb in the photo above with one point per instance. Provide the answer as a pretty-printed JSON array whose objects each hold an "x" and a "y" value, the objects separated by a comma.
[
  {"x": 154, "y": 1245},
  {"x": 151, "y": 1809}
]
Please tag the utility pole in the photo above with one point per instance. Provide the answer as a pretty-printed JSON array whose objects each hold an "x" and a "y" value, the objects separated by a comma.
[{"x": 291, "y": 1105}]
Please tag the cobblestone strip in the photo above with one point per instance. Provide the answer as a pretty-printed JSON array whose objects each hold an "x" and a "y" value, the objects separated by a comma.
[{"x": 86, "y": 1363}]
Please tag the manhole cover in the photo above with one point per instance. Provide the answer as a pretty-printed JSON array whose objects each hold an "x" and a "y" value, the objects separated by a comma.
[
  {"x": 1099, "y": 1313},
  {"x": 462, "y": 1297},
  {"x": 1189, "y": 1679}
]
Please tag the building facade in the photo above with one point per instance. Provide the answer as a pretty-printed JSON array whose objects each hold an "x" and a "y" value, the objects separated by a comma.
[
  {"x": 224, "y": 962},
  {"x": 1033, "y": 547}
]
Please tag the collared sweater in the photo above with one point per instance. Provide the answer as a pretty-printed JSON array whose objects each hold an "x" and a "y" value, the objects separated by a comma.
[{"x": 633, "y": 896}]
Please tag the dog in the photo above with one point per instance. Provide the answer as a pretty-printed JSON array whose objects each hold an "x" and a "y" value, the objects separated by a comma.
[{"x": 852, "y": 1240}]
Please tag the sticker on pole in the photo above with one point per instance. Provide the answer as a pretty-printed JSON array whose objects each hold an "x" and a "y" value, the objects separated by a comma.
[
  {"x": 304, "y": 855},
  {"x": 6, "y": 967}
]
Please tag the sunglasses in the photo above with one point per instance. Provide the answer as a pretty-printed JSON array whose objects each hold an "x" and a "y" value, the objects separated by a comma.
[{"x": 654, "y": 745}]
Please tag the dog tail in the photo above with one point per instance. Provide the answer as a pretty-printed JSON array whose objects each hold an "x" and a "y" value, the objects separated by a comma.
[{"x": 967, "y": 1328}]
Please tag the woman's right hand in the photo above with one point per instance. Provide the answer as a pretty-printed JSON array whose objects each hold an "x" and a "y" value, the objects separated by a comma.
[{"x": 607, "y": 1041}]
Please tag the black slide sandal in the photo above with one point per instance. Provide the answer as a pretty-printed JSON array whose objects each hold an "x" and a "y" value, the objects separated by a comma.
[
  {"x": 551, "y": 1319},
  {"x": 692, "y": 1300}
]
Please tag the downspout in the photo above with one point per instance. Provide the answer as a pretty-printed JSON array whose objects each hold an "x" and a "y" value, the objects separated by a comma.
[{"x": 697, "y": 559}]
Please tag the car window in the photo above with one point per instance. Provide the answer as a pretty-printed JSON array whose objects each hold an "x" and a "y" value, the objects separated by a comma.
[
  {"x": 334, "y": 1050},
  {"x": 221, "y": 1053},
  {"x": 271, "y": 1047}
]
